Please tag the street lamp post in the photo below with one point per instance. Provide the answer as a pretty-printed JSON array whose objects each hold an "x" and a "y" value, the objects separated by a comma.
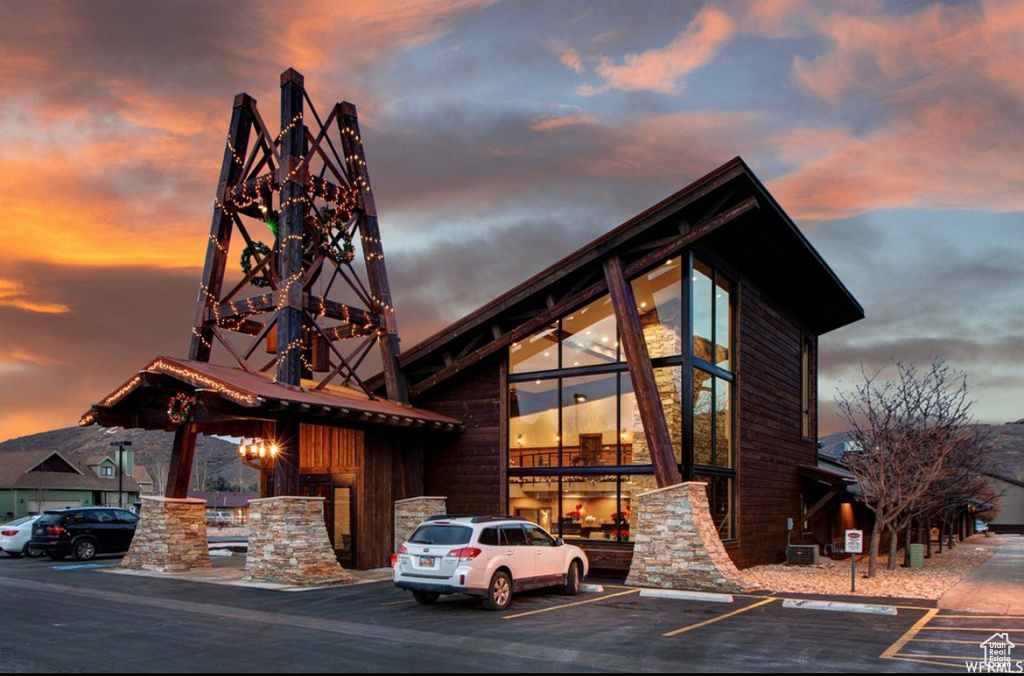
[{"x": 120, "y": 469}]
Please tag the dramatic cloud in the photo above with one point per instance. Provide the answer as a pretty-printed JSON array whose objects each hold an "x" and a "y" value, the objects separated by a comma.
[
  {"x": 888, "y": 130},
  {"x": 54, "y": 366},
  {"x": 13, "y": 294},
  {"x": 660, "y": 70}
]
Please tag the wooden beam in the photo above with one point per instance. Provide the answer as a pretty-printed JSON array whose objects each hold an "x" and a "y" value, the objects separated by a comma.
[
  {"x": 820, "y": 504},
  {"x": 286, "y": 464},
  {"x": 685, "y": 240},
  {"x": 293, "y": 175},
  {"x": 648, "y": 398},
  {"x": 220, "y": 229},
  {"x": 373, "y": 253},
  {"x": 179, "y": 470}
]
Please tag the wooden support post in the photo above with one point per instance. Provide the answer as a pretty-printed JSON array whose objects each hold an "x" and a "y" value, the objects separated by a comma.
[
  {"x": 648, "y": 399},
  {"x": 179, "y": 470},
  {"x": 286, "y": 464},
  {"x": 373, "y": 254},
  {"x": 220, "y": 229},
  {"x": 293, "y": 173}
]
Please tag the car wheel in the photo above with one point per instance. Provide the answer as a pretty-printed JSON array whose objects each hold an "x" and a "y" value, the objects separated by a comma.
[
  {"x": 572, "y": 580},
  {"x": 425, "y": 597},
  {"x": 33, "y": 553},
  {"x": 499, "y": 592},
  {"x": 84, "y": 550}
]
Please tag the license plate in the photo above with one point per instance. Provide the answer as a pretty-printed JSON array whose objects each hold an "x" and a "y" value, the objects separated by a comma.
[{"x": 427, "y": 561}]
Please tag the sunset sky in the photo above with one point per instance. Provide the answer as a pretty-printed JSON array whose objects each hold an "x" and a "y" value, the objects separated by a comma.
[{"x": 501, "y": 136}]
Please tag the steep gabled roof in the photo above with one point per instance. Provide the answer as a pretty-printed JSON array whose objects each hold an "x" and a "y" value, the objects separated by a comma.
[{"x": 727, "y": 211}]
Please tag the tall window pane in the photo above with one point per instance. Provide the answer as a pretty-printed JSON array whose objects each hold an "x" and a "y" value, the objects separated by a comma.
[
  {"x": 702, "y": 320},
  {"x": 589, "y": 420},
  {"x": 533, "y": 424},
  {"x": 539, "y": 352},
  {"x": 703, "y": 416},
  {"x": 590, "y": 507},
  {"x": 723, "y": 423},
  {"x": 536, "y": 499},
  {"x": 659, "y": 302},
  {"x": 723, "y": 323},
  {"x": 589, "y": 335}
]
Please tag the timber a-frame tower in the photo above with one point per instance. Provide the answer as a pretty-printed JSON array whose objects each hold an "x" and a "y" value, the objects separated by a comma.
[{"x": 299, "y": 200}]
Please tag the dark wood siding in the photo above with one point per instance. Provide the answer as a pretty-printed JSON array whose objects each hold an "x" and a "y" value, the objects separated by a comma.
[
  {"x": 770, "y": 440},
  {"x": 329, "y": 450},
  {"x": 468, "y": 467}
]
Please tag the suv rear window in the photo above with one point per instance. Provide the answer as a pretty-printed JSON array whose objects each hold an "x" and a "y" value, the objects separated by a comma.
[
  {"x": 47, "y": 519},
  {"x": 441, "y": 535}
]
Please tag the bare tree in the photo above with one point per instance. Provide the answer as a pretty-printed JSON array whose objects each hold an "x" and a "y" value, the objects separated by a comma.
[
  {"x": 904, "y": 430},
  {"x": 159, "y": 475}
]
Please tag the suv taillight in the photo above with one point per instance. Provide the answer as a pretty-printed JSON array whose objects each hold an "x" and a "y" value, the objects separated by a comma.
[
  {"x": 465, "y": 553},
  {"x": 402, "y": 549},
  {"x": 55, "y": 530}
]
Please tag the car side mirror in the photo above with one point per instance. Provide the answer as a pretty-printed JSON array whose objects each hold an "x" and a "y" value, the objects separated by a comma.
[{"x": 559, "y": 542}]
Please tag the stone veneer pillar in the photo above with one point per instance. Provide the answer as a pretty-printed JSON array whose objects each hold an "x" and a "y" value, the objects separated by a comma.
[
  {"x": 412, "y": 512},
  {"x": 288, "y": 543},
  {"x": 677, "y": 546},
  {"x": 170, "y": 536}
]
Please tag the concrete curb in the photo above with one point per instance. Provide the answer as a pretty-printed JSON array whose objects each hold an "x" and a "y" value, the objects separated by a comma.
[
  {"x": 686, "y": 595},
  {"x": 840, "y": 606},
  {"x": 592, "y": 588}
]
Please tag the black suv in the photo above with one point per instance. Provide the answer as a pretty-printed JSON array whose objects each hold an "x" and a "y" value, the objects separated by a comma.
[{"x": 83, "y": 532}]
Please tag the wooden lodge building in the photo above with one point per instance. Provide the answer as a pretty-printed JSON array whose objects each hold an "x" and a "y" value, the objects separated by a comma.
[{"x": 682, "y": 345}]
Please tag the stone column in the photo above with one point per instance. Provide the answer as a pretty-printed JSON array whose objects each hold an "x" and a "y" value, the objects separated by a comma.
[
  {"x": 412, "y": 512},
  {"x": 288, "y": 543},
  {"x": 170, "y": 536},
  {"x": 677, "y": 546}
]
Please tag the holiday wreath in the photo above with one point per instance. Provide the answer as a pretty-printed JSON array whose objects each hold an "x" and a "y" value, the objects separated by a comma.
[{"x": 179, "y": 410}]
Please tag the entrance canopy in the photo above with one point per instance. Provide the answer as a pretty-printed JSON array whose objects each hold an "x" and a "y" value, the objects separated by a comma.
[{"x": 227, "y": 400}]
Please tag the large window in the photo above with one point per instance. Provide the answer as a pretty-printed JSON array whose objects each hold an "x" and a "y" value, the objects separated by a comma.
[{"x": 577, "y": 450}]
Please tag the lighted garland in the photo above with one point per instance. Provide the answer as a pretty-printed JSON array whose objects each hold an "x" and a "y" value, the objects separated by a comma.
[
  {"x": 179, "y": 410},
  {"x": 262, "y": 251}
]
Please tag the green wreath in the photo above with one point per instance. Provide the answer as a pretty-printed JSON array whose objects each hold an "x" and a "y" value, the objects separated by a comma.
[
  {"x": 262, "y": 250},
  {"x": 341, "y": 251},
  {"x": 179, "y": 410}
]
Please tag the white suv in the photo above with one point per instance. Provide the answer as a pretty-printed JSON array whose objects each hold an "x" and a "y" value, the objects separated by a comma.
[{"x": 486, "y": 556}]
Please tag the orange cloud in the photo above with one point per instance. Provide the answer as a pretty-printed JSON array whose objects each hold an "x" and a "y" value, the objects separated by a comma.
[
  {"x": 550, "y": 123},
  {"x": 660, "y": 70},
  {"x": 571, "y": 59},
  {"x": 950, "y": 154},
  {"x": 925, "y": 50},
  {"x": 13, "y": 294}
]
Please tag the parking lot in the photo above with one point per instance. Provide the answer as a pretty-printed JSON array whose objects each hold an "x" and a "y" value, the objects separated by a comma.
[{"x": 69, "y": 616}]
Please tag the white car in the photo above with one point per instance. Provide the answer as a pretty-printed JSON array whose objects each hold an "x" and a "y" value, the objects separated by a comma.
[
  {"x": 486, "y": 556},
  {"x": 14, "y": 537}
]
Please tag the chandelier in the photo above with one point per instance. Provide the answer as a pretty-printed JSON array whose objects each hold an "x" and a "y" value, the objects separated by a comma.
[{"x": 256, "y": 449}]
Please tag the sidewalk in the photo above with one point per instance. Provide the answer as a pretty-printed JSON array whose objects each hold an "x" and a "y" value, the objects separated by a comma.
[{"x": 996, "y": 587}]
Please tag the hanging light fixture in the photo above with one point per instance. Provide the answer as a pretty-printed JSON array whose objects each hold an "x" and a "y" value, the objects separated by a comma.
[{"x": 257, "y": 449}]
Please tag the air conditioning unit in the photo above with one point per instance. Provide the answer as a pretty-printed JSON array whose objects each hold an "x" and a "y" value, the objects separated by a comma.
[{"x": 802, "y": 555}]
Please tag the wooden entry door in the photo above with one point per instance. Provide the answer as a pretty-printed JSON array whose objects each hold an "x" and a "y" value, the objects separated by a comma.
[{"x": 338, "y": 517}]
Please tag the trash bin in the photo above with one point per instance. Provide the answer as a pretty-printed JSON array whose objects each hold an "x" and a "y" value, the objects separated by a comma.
[{"x": 917, "y": 556}]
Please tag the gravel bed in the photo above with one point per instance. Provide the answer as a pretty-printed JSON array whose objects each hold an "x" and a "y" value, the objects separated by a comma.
[{"x": 939, "y": 574}]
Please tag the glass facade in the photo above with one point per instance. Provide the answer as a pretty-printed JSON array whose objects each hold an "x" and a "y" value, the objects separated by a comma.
[{"x": 577, "y": 450}]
